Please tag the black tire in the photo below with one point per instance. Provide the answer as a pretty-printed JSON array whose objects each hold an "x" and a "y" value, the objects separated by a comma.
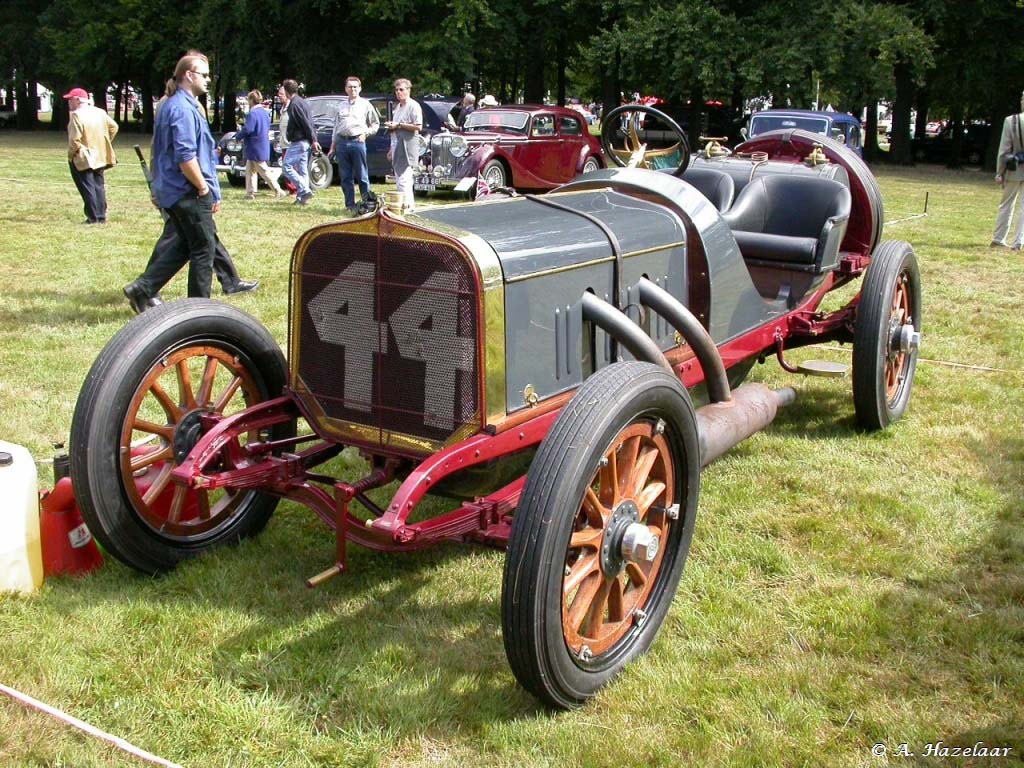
[
  {"x": 591, "y": 164},
  {"x": 321, "y": 172},
  {"x": 546, "y": 638},
  {"x": 123, "y": 487},
  {"x": 883, "y": 368},
  {"x": 494, "y": 174},
  {"x": 236, "y": 181}
]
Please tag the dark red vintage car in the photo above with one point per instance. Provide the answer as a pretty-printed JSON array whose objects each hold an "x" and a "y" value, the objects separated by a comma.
[{"x": 521, "y": 146}]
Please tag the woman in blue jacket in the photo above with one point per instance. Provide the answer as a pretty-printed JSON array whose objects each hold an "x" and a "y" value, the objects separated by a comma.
[{"x": 256, "y": 135}]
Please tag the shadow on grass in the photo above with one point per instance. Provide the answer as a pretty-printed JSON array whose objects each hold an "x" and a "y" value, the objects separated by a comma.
[
  {"x": 408, "y": 641},
  {"x": 40, "y": 307}
]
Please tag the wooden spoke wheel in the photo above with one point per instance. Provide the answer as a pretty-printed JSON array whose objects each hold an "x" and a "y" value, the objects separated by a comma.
[
  {"x": 604, "y": 591},
  {"x": 601, "y": 534},
  {"x": 176, "y": 402},
  {"x": 886, "y": 336},
  {"x": 157, "y": 387}
]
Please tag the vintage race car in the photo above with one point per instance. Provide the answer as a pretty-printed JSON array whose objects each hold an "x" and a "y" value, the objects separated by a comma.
[
  {"x": 538, "y": 361},
  {"x": 518, "y": 146}
]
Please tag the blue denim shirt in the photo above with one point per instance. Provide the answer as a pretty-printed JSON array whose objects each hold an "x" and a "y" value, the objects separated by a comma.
[{"x": 181, "y": 134}]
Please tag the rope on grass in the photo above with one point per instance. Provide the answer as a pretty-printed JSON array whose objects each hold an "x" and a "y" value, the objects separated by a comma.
[
  {"x": 947, "y": 363},
  {"x": 81, "y": 725}
]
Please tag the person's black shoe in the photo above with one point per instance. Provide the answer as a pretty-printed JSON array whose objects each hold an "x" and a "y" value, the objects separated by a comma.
[
  {"x": 138, "y": 299},
  {"x": 243, "y": 286}
]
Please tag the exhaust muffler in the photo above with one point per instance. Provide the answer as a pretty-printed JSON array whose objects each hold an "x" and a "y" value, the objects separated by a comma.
[{"x": 723, "y": 425}]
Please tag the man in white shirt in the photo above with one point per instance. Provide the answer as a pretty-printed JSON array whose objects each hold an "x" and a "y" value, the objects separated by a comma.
[{"x": 357, "y": 118}]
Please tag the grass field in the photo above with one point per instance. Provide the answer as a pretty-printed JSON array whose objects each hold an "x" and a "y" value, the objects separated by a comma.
[{"x": 843, "y": 590}]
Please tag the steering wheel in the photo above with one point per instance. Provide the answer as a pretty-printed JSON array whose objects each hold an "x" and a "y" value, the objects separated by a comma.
[{"x": 635, "y": 153}]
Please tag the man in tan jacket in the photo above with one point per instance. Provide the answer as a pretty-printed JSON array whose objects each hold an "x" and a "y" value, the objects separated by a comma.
[
  {"x": 1010, "y": 176},
  {"x": 90, "y": 152}
]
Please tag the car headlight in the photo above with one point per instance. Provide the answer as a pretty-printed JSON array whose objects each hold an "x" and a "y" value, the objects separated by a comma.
[
  {"x": 234, "y": 145},
  {"x": 459, "y": 146},
  {"x": 424, "y": 144}
]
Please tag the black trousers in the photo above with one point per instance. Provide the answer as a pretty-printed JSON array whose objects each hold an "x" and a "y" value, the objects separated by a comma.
[
  {"x": 171, "y": 249},
  {"x": 192, "y": 220},
  {"x": 91, "y": 187}
]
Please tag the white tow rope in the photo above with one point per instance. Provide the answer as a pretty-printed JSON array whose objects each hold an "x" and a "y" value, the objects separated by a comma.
[{"x": 131, "y": 749}]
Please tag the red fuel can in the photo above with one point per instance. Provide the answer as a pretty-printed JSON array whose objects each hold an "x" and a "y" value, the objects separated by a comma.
[{"x": 68, "y": 546}]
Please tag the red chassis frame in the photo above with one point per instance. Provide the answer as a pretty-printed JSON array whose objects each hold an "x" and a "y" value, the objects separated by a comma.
[{"x": 221, "y": 460}]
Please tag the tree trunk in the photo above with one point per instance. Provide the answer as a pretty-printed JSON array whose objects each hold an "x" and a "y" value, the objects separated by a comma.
[
  {"x": 229, "y": 118},
  {"x": 694, "y": 116},
  {"x": 147, "y": 105},
  {"x": 899, "y": 148},
  {"x": 561, "y": 76},
  {"x": 921, "y": 124},
  {"x": 610, "y": 89},
  {"x": 536, "y": 57},
  {"x": 870, "y": 138},
  {"x": 956, "y": 127},
  {"x": 28, "y": 105}
]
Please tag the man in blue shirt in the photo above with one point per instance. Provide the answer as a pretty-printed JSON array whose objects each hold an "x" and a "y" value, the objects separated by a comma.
[{"x": 184, "y": 185}]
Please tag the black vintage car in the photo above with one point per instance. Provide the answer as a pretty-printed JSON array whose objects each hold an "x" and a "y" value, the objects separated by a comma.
[
  {"x": 231, "y": 154},
  {"x": 939, "y": 148}
]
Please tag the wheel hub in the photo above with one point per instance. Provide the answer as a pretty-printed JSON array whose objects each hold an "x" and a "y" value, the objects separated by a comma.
[
  {"x": 187, "y": 433},
  {"x": 909, "y": 339},
  {"x": 626, "y": 539}
]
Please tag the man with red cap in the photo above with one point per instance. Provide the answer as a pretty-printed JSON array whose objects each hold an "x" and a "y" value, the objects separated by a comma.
[{"x": 91, "y": 132}]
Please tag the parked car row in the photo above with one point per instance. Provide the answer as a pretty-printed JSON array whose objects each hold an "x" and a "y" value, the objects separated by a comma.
[{"x": 536, "y": 147}]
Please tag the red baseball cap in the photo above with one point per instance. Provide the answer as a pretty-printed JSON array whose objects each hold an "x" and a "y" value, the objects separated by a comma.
[{"x": 76, "y": 93}]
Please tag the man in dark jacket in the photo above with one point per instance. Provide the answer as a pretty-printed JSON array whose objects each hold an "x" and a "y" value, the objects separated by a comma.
[{"x": 301, "y": 136}]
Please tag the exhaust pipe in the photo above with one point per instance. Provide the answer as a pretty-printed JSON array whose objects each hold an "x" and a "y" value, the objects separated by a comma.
[{"x": 723, "y": 425}]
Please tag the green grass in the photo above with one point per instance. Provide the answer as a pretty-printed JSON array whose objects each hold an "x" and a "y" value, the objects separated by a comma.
[{"x": 843, "y": 589}]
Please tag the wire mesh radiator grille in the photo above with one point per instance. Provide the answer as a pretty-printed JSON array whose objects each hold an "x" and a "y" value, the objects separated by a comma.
[{"x": 385, "y": 335}]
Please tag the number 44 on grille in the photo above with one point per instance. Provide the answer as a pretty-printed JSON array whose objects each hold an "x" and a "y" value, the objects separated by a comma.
[{"x": 562, "y": 366}]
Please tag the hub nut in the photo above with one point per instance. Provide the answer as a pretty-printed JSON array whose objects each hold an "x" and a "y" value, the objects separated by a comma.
[
  {"x": 910, "y": 339},
  {"x": 639, "y": 544}
]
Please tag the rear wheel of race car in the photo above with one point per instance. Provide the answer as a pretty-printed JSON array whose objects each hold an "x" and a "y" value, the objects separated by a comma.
[
  {"x": 494, "y": 174},
  {"x": 144, "y": 404},
  {"x": 601, "y": 533},
  {"x": 886, "y": 336},
  {"x": 321, "y": 172}
]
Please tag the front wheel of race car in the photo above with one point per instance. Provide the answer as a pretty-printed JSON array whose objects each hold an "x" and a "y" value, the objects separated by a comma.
[
  {"x": 146, "y": 401},
  {"x": 601, "y": 534},
  {"x": 886, "y": 336}
]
